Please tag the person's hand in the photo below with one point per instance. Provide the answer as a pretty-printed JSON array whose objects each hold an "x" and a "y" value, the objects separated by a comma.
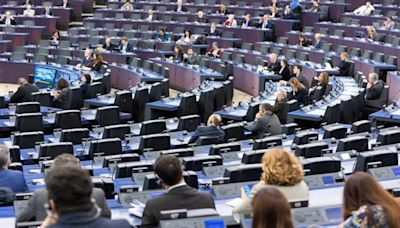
[
  {"x": 369, "y": 85},
  {"x": 49, "y": 220}
]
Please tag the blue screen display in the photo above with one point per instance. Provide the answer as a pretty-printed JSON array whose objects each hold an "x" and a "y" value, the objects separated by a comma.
[
  {"x": 396, "y": 171},
  {"x": 248, "y": 222},
  {"x": 215, "y": 223},
  {"x": 45, "y": 75},
  {"x": 333, "y": 213},
  {"x": 328, "y": 180},
  {"x": 156, "y": 194}
]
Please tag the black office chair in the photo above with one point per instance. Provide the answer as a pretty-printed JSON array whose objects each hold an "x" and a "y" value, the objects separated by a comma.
[
  {"x": 379, "y": 103},
  {"x": 95, "y": 89},
  {"x": 27, "y": 107},
  {"x": 206, "y": 104},
  {"x": 29, "y": 122},
  {"x": 52, "y": 150},
  {"x": 123, "y": 99},
  {"x": 155, "y": 91},
  {"x": 188, "y": 123},
  {"x": 252, "y": 111},
  {"x": 188, "y": 105},
  {"x": 68, "y": 119},
  {"x": 116, "y": 131},
  {"x": 44, "y": 98},
  {"x": 75, "y": 135},
  {"x": 154, "y": 142},
  {"x": 74, "y": 98},
  {"x": 152, "y": 127},
  {"x": 234, "y": 131},
  {"x": 139, "y": 102},
  {"x": 28, "y": 139},
  {"x": 108, "y": 115},
  {"x": 332, "y": 114},
  {"x": 228, "y": 91},
  {"x": 106, "y": 81}
]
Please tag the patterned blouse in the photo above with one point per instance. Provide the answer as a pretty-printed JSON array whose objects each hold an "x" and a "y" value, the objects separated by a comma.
[{"x": 359, "y": 218}]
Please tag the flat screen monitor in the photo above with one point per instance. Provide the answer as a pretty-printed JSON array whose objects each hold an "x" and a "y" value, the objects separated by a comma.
[
  {"x": 214, "y": 223},
  {"x": 44, "y": 76}
]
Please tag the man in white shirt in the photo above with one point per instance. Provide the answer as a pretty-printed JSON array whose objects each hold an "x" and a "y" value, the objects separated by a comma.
[
  {"x": 150, "y": 15},
  {"x": 365, "y": 10},
  {"x": 7, "y": 19},
  {"x": 29, "y": 11}
]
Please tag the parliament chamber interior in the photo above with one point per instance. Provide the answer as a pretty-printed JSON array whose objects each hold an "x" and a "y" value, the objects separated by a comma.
[{"x": 200, "y": 113}]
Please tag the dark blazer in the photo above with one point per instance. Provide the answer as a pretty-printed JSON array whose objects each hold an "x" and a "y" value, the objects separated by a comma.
[
  {"x": 375, "y": 91},
  {"x": 317, "y": 45},
  {"x": 275, "y": 67},
  {"x": 301, "y": 96},
  {"x": 24, "y": 93},
  {"x": 61, "y": 101},
  {"x": 67, "y": 6},
  {"x": 129, "y": 47},
  {"x": 96, "y": 67},
  {"x": 50, "y": 13},
  {"x": 344, "y": 68},
  {"x": 182, "y": 197},
  {"x": 36, "y": 211},
  {"x": 250, "y": 23},
  {"x": 268, "y": 25},
  {"x": 194, "y": 59},
  {"x": 303, "y": 80},
  {"x": 109, "y": 47},
  {"x": 305, "y": 43},
  {"x": 215, "y": 33},
  {"x": 266, "y": 124},
  {"x": 12, "y": 21},
  {"x": 84, "y": 90},
  {"x": 178, "y": 57},
  {"x": 321, "y": 88},
  {"x": 183, "y": 9},
  {"x": 13, "y": 179},
  {"x": 202, "y": 20},
  {"x": 286, "y": 74},
  {"x": 87, "y": 220},
  {"x": 87, "y": 62},
  {"x": 207, "y": 131},
  {"x": 288, "y": 16},
  {"x": 279, "y": 110}
]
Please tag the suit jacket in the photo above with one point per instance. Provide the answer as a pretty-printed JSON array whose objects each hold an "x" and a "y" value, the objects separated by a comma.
[
  {"x": 36, "y": 211},
  {"x": 24, "y": 93},
  {"x": 288, "y": 16},
  {"x": 275, "y": 67},
  {"x": 303, "y": 80},
  {"x": 249, "y": 23},
  {"x": 62, "y": 100},
  {"x": 279, "y": 110},
  {"x": 87, "y": 220},
  {"x": 375, "y": 91},
  {"x": 109, "y": 47},
  {"x": 202, "y": 20},
  {"x": 207, "y": 131},
  {"x": 87, "y": 62},
  {"x": 305, "y": 43},
  {"x": 269, "y": 123},
  {"x": 215, "y": 33},
  {"x": 129, "y": 47},
  {"x": 317, "y": 45},
  {"x": 13, "y": 179},
  {"x": 50, "y": 13},
  {"x": 12, "y": 21},
  {"x": 96, "y": 67},
  {"x": 301, "y": 96},
  {"x": 191, "y": 59},
  {"x": 286, "y": 74},
  {"x": 344, "y": 68},
  {"x": 268, "y": 25},
  {"x": 182, "y": 197},
  {"x": 84, "y": 90}
]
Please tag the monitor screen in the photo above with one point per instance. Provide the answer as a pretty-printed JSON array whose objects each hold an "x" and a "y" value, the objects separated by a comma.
[
  {"x": 44, "y": 76},
  {"x": 333, "y": 213},
  {"x": 396, "y": 171},
  {"x": 328, "y": 180},
  {"x": 215, "y": 223}
]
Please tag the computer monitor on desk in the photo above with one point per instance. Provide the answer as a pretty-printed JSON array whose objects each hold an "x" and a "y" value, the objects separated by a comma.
[
  {"x": 375, "y": 159},
  {"x": 47, "y": 76}
]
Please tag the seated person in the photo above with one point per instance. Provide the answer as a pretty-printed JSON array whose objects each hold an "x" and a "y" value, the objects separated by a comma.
[
  {"x": 191, "y": 57},
  {"x": 322, "y": 86},
  {"x": 86, "y": 79},
  {"x": 7, "y": 19},
  {"x": 200, "y": 17},
  {"x": 186, "y": 38},
  {"x": 179, "y": 6},
  {"x": 266, "y": 122},
  {"x": 317, "y": 41},
  {"x": 179, "y": 195},
  {"x": 274, "y": 13},
  {"x": 10, "y": 178},
  {"x": 65, "y": 4},
  {"x": 365, "y": 10},
  {"x": 162, "y": 35},
  {"x": 178, "y": 54},
  {"x": 247, "y": 22},
  {"x": 299, "y": 91},
  {"x": 344, "y": 65},
  {"x": 280, "y": 105},
  {"x": 124, "y": 45},
  {"x": 47, "y": 11},
  {"x": 108, "y": 45},
  {"x": 388, "y": 24},
  {"x": 284, "y": 70},
  {"x": 150, "y": 15},
  {"x": 35, "y": 210},
  {"x": 61, "y": 94},
  {"x": 295, "y": 8},
  {"x": 127, "y": 6},
  {"x": 214, "y": 51},
  {"x": 283, "y": 170},
  {"x": 231, "y": 21},
  {"x": 29, "y": 12},
  {"x": 265, "y": 22},
  {"x": 271, "y": 209},
  {"x": 27, "y": 2},
  {"x": 374, "y": 87},
  {"x": 273, "y": 63},
  {"x": 372, "y": 34},
  {"x": 303, "y": 42},
  {"x": 287, "y": 13},
  {"x": 297, "y": 72},
  {"x": 55, "y": 38},
  {"x": 274, "y": 3},
  {"x": 223, "y": 10},
  {"x": 315, "y": 6},
  {"x": 87, "y": 60},
  {"x": 212, "y": 129},
  {"x": 213, "y": 30},
  {"x": 97, "y": 61},
  {"x": 24, "y": 92}
]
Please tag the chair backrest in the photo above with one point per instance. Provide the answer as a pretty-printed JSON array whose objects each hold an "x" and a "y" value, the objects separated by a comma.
[
  {"x": 6, "y": 196},
  {"x": 116, "y": 131},
  {"x": 206, "y": 104},
  {"x": 188, "y": 105},
  {"x": 139, "y": 102},
  {"x": 44, "y": 98},
  {"x": 234, "y": 131},
  {"x": 104, "y": 147},
  {"x": 68, "y": 119},
  {"x": 108, "y": 115},
  {"x": 331, "y": 114},
  {"x": 154, "y": 142},
  {"x": 106, "y": 81},
  {"x": 123, "y": 99},
  {"x": 155, "y": 91},
  {"x": 153, "y": 127},
  {"x": 29, "y": 122},
  {"x": 75, "y": 135},
  {"x": 188, "y": 123},
  {"x": 95, "y": 89},
  {"x": 27, "y": 107},
  {"x": 52, "y": 150},
  {"x": 27, "y": 139}
]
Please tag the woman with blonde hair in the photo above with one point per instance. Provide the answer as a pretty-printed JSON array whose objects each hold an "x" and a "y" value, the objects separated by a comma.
[
  {"x": 282, "y": 170},
  {"x": 299, "y": 91}
]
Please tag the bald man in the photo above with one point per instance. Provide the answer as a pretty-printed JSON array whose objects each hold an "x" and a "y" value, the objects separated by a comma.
[
  {"x": 212, "y": 129},
  {"x": 24, "y": 92},
  {"x": 317, "y": 41}
]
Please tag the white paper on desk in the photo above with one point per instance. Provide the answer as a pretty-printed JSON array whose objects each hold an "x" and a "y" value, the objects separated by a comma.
[
  {"x": 234, "y": 203},
  {"x": 136, "y": 210},
  {"x": 397, "y": 112},
  {"x": 317, "y": 112}
]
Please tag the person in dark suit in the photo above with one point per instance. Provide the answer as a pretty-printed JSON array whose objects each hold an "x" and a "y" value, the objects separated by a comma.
[
  {"x": 273, "y": 63},
  {"x": 322, "y": 86},
  {"x": 374, "y": 87},
  {"x": 36, "y": 211},
  {"x": 284, "y": 70},
  {"x": 108, "y": 45},
  {"x": 297, "y": 72},
  {"x": 7, "y": 19},
  {"x": 124, "y": 45},
  {"x": 60, "y": 99},
  {"x": 87, "y": 60},
  {"x": 317, "y": 41},
  {"x": 11, "y": 179},
  {"x": 266, "y": 122},
  {"x": 265, "y": 22},
  {"x": 274, "y": 3},
  {"x": 213, "y": 30},
  {"x": 299, "y": 91},
  {"x": 86, "y": 79},
  {"x": 47, "y": 11},
  {"x": 178, "y": 54},
  {"x": 280, "y": 105},
  {"x": 191, "y": 57},
  {"x": 344, "y": 65},
  {"x": 70, "y": 190},
  {"x": 24, "y": 92},
  {"x": 97, "y": 61},
  {"x": 287, "y": 14},
  {"x": 179, "y": 6},
  {"x": 315, "y": 6},
  {"x": 179, "y": 195},
  {"x": 200, "y": 17},
  {"x": 212, "y": 129},
  {"x": 247, "y": 22},
  {"x": 274, "y": 13},
  {"x": 303, "y": 42},
  {"x": 65, "y": 4},
  {"x": 223, "y": 10}
]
